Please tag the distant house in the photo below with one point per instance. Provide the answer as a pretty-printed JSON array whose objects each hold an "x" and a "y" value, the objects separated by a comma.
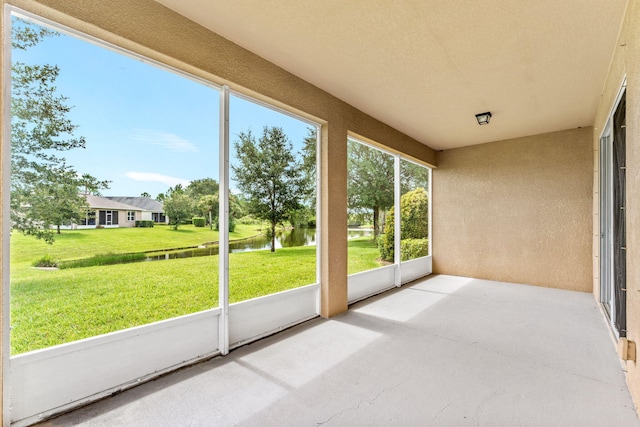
[
  {"x": 113, "y": 212},
  {"x": 150, "y": 209}
]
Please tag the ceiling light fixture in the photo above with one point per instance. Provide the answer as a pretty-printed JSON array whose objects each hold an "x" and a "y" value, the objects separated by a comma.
[{"x": 483, "y": 118}]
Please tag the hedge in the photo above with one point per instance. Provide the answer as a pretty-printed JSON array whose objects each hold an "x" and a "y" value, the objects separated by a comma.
[
  {"x": 409, "y": 248},
  {"x": 199, "y": 221},
  {"x": 144, "y": 223},
  {"x": 413, "y": 248}
]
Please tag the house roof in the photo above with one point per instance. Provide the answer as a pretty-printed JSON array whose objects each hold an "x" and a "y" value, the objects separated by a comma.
[
  {"x": 427, "y": 67},
  {"x": 99, "y": 202},
  {"x": 142, "y": 203}
]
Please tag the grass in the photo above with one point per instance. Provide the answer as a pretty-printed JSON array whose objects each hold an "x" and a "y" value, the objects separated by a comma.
[
  {"x": 362, "y": 255},
  {"x": 54, "y": 307},
  {"x": 102, "y": 259},
  {"x": 76, "y": 244}
]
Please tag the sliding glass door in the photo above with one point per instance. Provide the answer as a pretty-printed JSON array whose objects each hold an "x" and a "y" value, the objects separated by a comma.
[{"x": 613, "y": 217}]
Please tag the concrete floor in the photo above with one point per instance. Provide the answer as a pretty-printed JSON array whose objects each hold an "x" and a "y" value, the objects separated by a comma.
[{"x": 445, "y": 351}]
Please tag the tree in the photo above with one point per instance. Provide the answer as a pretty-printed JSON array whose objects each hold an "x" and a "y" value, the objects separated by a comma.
[
  {"x": 145, "y": 194},
  {"x": 236, "y": 206},
  {"x": 91, "y": 185},
  {"x": 268, "y": 175},
  {"x": 306, "y": 213},
  {"x": 208, "y": 205},
  {"x": 413, "y": 175},
  {"x": 308, "y": 168},
  {"x": 45, "y": 190},
  {"x": 370, "y": 175},
  {"x": 202, "y": 187},
  {"x": 204, "y": 193},
  {"x": 57, "y": 201},
  {"x": 177, "y": 189},
  {"x": 178, "y": 207}
]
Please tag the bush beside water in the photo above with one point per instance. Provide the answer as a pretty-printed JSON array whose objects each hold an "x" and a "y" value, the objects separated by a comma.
[
  {"x": 45, "y": 261},
  {"x": 232, "y": 224},
  {"x": 102, "y": 259}
]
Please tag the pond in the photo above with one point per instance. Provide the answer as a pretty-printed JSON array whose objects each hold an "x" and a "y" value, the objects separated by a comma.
[{"x": 284, "y": 239}]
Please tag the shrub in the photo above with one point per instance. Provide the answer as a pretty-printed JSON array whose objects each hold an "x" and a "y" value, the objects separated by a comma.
[
  {"x": 248, "y": 220},
  {"x": 413, "y": 248},
  {"x": 299, "y": 218},
  {"x": 45, "y": 261},
  {"x": 312, "y": 223},
  {"x": 385, "y": 246},
  {"x": 414, "y": 214},
  {"x": 385, "y": 241},
  {"x": 232, "y": 224},
  {"x": 409, "y": 248},
  {"x": 414, "y": 222},
  {"x": 144, "y": 223},
  {"x": 199, "y": 221}
]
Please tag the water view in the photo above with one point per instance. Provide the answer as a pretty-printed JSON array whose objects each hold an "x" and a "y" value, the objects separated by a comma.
[{"x": 284, "y": 239}]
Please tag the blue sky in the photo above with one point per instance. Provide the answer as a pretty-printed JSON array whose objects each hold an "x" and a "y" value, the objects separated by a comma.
[{"x": 146, "y": 128}]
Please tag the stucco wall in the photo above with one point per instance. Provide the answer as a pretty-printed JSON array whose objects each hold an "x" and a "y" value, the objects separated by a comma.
[
  {"x": 626, "y": 62},
  {"x": 516, "y": 210}
]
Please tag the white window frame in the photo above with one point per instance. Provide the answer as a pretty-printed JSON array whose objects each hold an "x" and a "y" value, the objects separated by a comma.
[
  {"x": 364, "y": 284},
  {"x": 108, "y": 217}
]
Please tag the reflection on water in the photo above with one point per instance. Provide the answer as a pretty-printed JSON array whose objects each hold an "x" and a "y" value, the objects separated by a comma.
[{"x": 284, "y": 239}]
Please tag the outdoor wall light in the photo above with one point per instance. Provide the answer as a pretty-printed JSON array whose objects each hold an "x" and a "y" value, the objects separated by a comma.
[{"x": 483, "y": 118}]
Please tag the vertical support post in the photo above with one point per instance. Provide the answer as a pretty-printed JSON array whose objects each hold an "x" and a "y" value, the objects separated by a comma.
[
  {"x": 396, "y": 218},
  {"x": 318, "y": 215},
  {"x": 5, "y": 212},
  {"x": 333, "y": 236},
  {"x": 430, "y": 207},
  {"x": 223, "y": 224}
]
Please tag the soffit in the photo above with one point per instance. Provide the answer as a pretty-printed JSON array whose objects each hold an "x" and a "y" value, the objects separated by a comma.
[{"x": 427, "y": 67}]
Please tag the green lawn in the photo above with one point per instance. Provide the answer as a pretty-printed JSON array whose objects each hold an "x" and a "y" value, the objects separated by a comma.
[
  {"x": 362, "y": 255},
  {"x": 73, "y": 244},
  {"x": 53, "y": 307}
]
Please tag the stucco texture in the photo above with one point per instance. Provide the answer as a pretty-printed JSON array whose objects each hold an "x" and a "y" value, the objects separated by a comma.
[
  {"x": 626, "y": 62},
  {"x": 516, "y": 210}
]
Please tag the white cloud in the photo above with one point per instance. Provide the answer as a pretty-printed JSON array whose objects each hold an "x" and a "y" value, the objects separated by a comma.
[
  {"x": 170, "y": 181},
  {"x": 164, "y": 139}
]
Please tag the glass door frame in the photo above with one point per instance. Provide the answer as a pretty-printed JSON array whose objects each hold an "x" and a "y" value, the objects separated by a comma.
[{"x": 606, "y": 214}]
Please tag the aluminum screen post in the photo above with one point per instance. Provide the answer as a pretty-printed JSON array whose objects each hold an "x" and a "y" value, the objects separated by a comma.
[
  {"x": 223, "y": 224},
  {"x": 396, "y": 218}
]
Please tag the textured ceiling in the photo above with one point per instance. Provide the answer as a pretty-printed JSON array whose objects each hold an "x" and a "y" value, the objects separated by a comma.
[{"x": 426, "y": 67}]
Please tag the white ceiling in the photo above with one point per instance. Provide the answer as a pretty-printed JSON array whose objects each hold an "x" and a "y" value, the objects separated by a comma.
[{"x": 426, "y": 67}]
